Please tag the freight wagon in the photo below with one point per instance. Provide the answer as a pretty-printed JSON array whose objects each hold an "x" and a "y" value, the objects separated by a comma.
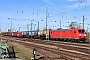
[
  {"x": 5, "y": 33},
  {"x": 30, "y": 34},
  {"x": 15, "y": 34},
  {"x": 19, "y": 34},
  {"x": 25, "y": 34}
]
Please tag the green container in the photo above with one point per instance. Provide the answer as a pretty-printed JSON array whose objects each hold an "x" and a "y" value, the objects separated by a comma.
[{"x": 3, "y": 49}]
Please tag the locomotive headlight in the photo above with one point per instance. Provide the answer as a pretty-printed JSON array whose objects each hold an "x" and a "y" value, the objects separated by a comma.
[{"x": 79, "y": 34}]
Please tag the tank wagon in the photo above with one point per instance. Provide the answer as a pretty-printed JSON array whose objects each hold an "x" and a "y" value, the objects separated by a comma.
[{"x": 42, "y": 33}]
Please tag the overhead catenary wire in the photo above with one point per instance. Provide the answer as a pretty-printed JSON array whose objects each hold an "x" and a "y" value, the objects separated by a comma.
[
  {"x": 33, "y": 7},
  {"x": 80, "y": 2},
  {"x": 21, "y": 12}
]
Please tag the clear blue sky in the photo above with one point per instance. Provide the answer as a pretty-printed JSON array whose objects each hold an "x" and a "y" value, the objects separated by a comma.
[{"x": 23, "y": 11}]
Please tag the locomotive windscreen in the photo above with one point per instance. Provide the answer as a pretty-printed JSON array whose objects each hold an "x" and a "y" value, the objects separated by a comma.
[{"x": 81, "y": 31}]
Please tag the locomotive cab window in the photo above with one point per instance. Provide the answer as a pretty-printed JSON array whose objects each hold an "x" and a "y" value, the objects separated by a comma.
[{"x": 81, "y": 31}]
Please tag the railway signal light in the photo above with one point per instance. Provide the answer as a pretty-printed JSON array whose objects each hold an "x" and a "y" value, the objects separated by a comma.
[{"x": 34, "y": 53}]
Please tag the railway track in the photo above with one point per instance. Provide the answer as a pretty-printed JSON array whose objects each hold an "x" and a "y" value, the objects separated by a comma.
[
  {"x": 71, "y": 46},
  {"x": 66, "y": 54},
  {"x": 67, "y": 51}
]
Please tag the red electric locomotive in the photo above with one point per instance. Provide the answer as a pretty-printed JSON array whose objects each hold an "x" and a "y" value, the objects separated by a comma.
[{"x": 75, "y": 34}]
